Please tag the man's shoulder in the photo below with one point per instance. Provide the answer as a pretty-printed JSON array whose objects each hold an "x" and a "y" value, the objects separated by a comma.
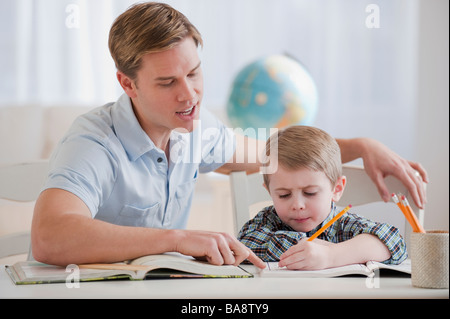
[
  {"x": 91, "y": 136},
  {"x": 95, "y": 122},
  {"x": 92, "y": 128}
]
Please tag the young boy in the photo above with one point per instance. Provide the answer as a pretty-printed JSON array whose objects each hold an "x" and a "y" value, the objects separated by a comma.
[{"x": 304, "y": 187}]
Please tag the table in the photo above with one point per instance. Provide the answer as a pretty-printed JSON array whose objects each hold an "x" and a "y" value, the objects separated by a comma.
[{"x": 246, "y": 288}]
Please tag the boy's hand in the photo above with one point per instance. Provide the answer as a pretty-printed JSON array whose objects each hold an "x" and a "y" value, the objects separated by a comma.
[{"x": 307, "y": 255}]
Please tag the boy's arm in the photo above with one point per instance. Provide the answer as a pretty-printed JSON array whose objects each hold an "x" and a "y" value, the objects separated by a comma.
[
  {"x": 353, "y": 225},
  {"x": 363, "y": 248},
  {"x": 317, "y": 255},
  {"x": 357, "y": 239}
]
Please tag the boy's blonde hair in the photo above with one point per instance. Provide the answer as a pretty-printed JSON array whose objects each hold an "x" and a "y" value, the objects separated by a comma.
[
  {"x": 146, "y": 28},
  {"x": 304, "y": 147}
]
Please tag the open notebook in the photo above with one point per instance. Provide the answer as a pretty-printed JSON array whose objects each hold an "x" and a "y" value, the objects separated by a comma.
[
  {"x": 368, "y": 269},
  {"x": 147, "y": 267}
]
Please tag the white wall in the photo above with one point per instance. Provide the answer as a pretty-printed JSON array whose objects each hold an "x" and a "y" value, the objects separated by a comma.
[
  {"x": 433, "y": 108},
  {"x": 389, "y": 83},
  {"x": 365, "y": 76}
]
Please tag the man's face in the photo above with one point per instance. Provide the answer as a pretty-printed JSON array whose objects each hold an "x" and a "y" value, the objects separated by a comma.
[{"x": 168, "y": 90}]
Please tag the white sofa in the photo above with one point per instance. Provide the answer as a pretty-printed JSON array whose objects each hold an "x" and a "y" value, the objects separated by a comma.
[{"x": 31, "y": 132}]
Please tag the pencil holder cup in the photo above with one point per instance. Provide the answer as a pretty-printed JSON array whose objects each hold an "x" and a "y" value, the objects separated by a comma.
[{"x": 429, "y": 259}]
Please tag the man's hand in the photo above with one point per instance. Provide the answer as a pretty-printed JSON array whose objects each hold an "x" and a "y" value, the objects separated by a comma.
[
  {"x": 216, "y": 248},
  {"x": 380, "y": 161}
]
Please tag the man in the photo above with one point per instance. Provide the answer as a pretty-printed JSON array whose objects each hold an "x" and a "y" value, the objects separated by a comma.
[{"x": 121, "y": 181}]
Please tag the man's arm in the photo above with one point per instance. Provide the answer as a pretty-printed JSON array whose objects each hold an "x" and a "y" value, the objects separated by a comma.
[
  {"x": 379, "y": 162},
  {"x": 63, "y": 232},
  {"x": 246, "y": 157}
]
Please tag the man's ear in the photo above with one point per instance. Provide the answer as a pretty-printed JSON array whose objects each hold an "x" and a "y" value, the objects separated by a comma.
[
  {"x": 339, "y": 188},
  {"x": 128, "y": 85}
]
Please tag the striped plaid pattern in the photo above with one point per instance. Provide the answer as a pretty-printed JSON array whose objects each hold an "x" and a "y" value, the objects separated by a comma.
[{"x": 268, "y": 237}]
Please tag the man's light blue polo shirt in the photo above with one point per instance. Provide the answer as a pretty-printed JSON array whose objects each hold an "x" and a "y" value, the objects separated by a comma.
[{"x": 111, "y": 164}]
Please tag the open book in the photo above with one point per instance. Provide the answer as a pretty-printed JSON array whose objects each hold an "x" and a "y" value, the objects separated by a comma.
[
  {"x": 147, "y": 267},
  {"x": 368, "y": 269}
]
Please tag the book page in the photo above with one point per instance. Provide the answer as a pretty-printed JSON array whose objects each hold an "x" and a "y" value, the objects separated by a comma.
[
  {"x": 404, "y": 267},
  {"x": 32, "y": 272},
  {"x": 38, "y": 270},
  {"x": 272, "y": 270},
  {"x": 188, "y": 264}
]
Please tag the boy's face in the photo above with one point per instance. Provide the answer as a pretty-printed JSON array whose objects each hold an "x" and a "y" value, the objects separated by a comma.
[{"x": 302, "y": 198}]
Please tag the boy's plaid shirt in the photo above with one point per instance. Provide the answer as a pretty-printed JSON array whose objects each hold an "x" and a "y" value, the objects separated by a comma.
[{"x": 268, "y": 237}]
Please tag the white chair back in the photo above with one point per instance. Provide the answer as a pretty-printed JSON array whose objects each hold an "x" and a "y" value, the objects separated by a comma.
[{"x": 20, "y": 182}]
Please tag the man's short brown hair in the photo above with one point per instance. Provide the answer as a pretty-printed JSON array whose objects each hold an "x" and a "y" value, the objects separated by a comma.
[{"x": 145, "y": 28}]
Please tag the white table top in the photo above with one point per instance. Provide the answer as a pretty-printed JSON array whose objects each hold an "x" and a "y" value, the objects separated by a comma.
[{"x": 248, "y": 288}]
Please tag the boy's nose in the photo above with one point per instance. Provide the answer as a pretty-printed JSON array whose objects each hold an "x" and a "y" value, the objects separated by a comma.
[{"x": 298, "y": 203}]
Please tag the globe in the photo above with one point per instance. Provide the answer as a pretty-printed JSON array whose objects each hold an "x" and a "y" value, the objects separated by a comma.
[{"x": 272, "y": 92}]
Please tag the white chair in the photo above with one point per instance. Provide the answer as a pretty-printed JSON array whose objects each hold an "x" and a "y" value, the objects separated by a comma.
[
  {"x": 20, "y": 182},
  {"x": 249, "y": 196}
]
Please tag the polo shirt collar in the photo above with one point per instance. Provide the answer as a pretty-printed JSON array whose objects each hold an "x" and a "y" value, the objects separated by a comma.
[
  {"x": 131, "y": 135},
  {"x": 128, "y": 130}
]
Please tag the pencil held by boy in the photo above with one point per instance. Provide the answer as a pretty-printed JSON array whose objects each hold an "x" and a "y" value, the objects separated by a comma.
[{"x": 305, "y": 187}]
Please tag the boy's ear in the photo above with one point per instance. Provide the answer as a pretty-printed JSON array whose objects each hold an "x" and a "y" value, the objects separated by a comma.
[
  {"x": 128, "y": 85},
  {"x": 339, "y": 188}
]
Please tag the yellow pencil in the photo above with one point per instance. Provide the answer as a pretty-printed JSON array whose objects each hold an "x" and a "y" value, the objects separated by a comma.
[
  {"x": 335, "y": 218},
  {"x": 403, "y": 204},
  {"x": 403, "y": 209},
  {"x": 417, "y": 227}
]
